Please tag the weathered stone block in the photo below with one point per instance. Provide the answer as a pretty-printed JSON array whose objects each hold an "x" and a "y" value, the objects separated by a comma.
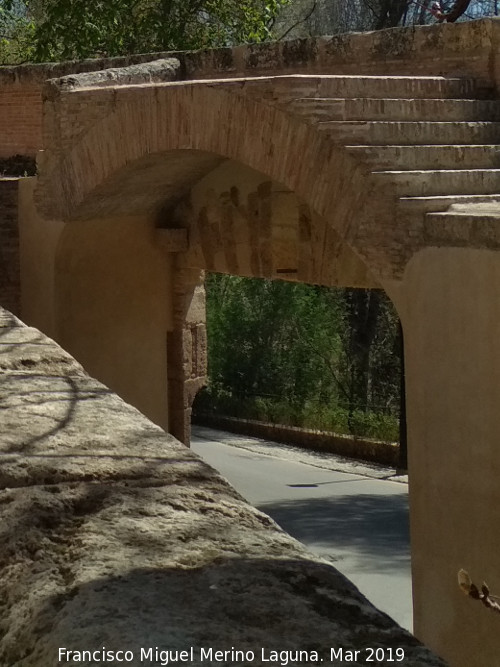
[{"x": 114, "y": 534}]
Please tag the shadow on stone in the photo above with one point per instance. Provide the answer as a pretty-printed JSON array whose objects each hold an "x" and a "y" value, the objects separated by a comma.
[{"x": 248, "y": 604}]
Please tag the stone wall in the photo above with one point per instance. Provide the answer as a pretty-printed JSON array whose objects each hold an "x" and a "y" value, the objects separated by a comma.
[
  {"x": 114, "y": 534},
  {"x": 467, "y": 49},
  {"x": 366, "y": 449},
  {"x": 186, "y": 347}
]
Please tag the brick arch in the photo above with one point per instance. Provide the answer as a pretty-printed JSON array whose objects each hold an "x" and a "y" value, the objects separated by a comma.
[{"x": 153, "y": 142}]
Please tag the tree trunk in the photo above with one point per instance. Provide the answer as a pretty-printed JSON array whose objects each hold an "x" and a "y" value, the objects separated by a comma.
[
  {"x": 403, "y": 434},
  {"x": 391, "y": 13},
  {"x": 424, "y": 10},
  {"x": 363, "y": 307}
]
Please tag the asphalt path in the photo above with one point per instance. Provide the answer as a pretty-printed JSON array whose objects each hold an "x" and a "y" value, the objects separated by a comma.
[{"x": 357, "y": 522}]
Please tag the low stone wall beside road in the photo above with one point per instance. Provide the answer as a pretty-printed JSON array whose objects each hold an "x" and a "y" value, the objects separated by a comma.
[
  {"x": 115, "y": 535},
  {"x": 376, "y": 451}
]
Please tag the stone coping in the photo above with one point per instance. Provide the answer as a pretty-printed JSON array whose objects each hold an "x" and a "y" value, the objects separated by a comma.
[
  {"x": 466, "y": 49},
  {"x": 115, "y": 535}
]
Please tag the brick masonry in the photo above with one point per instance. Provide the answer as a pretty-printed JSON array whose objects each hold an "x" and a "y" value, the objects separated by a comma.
[
  {"x": 21, "y": 97},
  {"x": 20, "y": 119},
  {"x": 468, "y": 49}
]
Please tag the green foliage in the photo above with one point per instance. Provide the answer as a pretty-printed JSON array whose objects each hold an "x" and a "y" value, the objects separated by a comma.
[
  {"x": 16, "y": 33},
  {"x": 71, "y": 29},
  {"x": 265, "y": 338},
  {"x": 302, "y": 355}
]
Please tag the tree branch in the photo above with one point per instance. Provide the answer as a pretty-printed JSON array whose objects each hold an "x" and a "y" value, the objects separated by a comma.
[{"x": 302, "y": 20}]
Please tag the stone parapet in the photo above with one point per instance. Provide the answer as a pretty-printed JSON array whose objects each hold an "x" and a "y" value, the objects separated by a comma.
[
  {"x": 467, "y": 50},
  {"x": 164, "y": 69},
  {"x": 114, "y": 534},
  {"x": 365, "y": 449}
]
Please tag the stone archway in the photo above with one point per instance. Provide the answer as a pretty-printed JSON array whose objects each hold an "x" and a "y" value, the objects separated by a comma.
[
  {"x": 239, "y": 222},
  {"x": 149, "y": 144},
  {"x": 138, "y": 149}
]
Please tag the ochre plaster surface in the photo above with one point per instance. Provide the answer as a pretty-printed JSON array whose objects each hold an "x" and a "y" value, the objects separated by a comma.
[
  {"x": 114, "y": 307},
  {"x": 450, "y": 308},
  {"x": 102, "y": 289},
  {"x": 38, "y": 239}
]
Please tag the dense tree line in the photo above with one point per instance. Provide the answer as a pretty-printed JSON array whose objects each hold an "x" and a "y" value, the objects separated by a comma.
[
  {"x": 36, "y": 30},
  {"x": 303, "y": 355},
  {"x": 44, "y": 30}
]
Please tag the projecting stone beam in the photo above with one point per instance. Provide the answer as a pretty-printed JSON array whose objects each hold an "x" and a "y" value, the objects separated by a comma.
[{"x": 114, "y": 535}]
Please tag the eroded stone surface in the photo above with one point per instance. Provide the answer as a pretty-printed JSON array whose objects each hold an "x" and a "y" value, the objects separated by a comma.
[
  {"x": 113, "y": 534},
  {"x": 165, "y": 69}
]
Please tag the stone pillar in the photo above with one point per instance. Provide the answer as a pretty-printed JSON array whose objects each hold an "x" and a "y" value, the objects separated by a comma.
[
  {"x": 186, "y": 348},
  {"x": 450, "y": 308}
]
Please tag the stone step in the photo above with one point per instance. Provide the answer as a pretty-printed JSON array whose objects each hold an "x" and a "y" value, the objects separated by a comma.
[
  {"x": 489, "y": 208},
  {"x": 323, "y": 109},
  {"x": 281, "y": 88},
  {"x": 443, "y": 202},
  {"x": 464, "y": 228},
  {"x": 434, "y": 156},
  {"x": 440, "y": 181},
  {"x": 410, "y": 133}
]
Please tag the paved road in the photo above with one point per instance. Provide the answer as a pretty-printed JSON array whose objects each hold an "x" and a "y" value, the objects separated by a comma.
[{"x": 358, "y": 523}]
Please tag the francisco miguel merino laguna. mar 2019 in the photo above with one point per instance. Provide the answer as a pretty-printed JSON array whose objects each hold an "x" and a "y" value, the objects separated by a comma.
[{"x": 198, "y": 655}]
